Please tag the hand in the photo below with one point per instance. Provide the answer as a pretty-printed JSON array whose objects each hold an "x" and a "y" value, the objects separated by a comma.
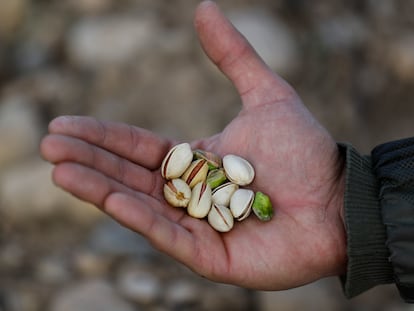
[{"x": 116, "y": 167}]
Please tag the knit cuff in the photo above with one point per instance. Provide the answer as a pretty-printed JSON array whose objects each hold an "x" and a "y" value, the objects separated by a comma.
[{"x": 368, "y": 263}]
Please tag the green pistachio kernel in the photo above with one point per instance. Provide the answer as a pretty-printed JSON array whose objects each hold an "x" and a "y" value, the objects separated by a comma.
[
  {"x": 262, "y": 206},
  {"x": 216, "y": 178}
]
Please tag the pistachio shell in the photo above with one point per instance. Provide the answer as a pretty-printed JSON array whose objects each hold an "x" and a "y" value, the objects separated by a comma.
[
  {"x": 177, "y": 160},
  {"x": 216, "y": 178},
  {"x": 262, "y": 206},
  {"x": 197, "y": 172},
  {"x": 200, "y": 202},
  {"x": 241, "y": 203},
  {"x": 238, "y": 170},
  {"x": 213, "y": 160},
  {"x": 177, "y": 193},
  {"x": 222, "y": 194},
  {"x": 220, "y": 218}
]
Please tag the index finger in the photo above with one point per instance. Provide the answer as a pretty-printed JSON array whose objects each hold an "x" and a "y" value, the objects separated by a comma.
[{"x": 133, "y": 143}]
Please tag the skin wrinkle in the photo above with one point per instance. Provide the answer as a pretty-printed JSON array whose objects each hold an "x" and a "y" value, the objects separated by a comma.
[
  {"x": 114, "y": 186},
  {"x": 134, "y": 140},
  {"x": 135, "y": 148},
  {"x": 238, "y": 78},
  {"x": 230, "y": 58},
  {"x": 121, "y": 164},
  {"x": 155, "y": 190},
  {"x": 313, "y": 262},
  {"x": 122, "y": 171},
  {"x": 261, "y": 100},
  {"x": 215, "y": 272},
  {"x": 94, "y": 156},
  {"x": 103, "y": 131}
]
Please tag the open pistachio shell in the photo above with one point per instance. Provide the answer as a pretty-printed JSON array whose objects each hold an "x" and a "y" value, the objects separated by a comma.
[
  {"x": 177, "y": 160},
  {"x": 220, "y": 218},
  {"x": 241, "y": 203},
  {"x": 222, "y": 194},
  {"x": 200, "y": 202},
  {"x": 177, "y": 193},
  {"x": 238, "y": 170},
  {"x": 213, "y": 160},
  {"x": 196, "y": 172}
]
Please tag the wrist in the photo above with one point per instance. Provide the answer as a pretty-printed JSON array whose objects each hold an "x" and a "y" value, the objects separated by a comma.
[{"x": 337, "y": 206}]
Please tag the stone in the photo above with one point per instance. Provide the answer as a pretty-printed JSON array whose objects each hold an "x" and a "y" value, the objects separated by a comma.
[
  {"x": 400, "y": 56},
  {"x": 222, "y": 297},
  {"x": 312, "y": 297},
  {"x": 383, "y": 10},
  {"x": 92, "y": 295},
  {"x": 11, "y": 16},
  {"x": 89, "y": 6},
  {"x": 12, "y": 257},
  {"x": 272, "y": 39},
  {"x": 182, "y": 292},
  {"x": 53, "y": 90},
  {"x": 384, "y": 297},
  {"x": 20, "y": 298},
  {"x": 52, "y": 270},
  {"x": 27, "y": 194},
  {"x": 42, "y": 44},
  {"x": 139, "y": 286},
  {"x": 343, "y": 32},
  {"x": 91, "y": 264},
  {"x": 20, "y": 129},
  {"x": 112, "y": 239},
  {"x": 105, "y": 41}
]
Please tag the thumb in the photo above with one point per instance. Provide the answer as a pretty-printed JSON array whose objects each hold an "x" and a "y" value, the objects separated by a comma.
[{"x": 229, "y": 50}]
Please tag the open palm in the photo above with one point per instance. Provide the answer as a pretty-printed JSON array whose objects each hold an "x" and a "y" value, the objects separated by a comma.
[{"x": 297, "y": 163}]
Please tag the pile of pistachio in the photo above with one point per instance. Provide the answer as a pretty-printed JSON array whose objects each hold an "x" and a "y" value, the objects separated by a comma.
[{"x": 209, "y": 186}]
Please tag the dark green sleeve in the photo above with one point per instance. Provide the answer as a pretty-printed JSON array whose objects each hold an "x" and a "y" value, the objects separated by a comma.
[
  {"x": 368, "y": 263},
  {"x": 393, "y": 164},
  {"x": 379, "y": 218}
]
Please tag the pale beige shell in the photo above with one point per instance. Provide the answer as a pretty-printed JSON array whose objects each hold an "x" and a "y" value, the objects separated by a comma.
[
  {"x": 220, "y": 218},
  {"x": 196, "y": 172},
  {"x": 200, "y": 202},
  {"x": 238, "y": 170},
  {"x": 177, "y": 193},
  {"x": 223, "y": 193},
  {"x": 241, "y": 203},
  {"x": 177, "y": 160}
]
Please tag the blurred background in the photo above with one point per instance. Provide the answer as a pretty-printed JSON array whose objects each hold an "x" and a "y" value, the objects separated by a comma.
[{"x": 139, "y": 62}]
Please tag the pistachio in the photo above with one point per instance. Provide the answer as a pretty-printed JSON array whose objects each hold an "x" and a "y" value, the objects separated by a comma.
[
  {"x": 200, "y": 202},
  {"x": 216, "y": 178},
  {"x": 222, "y": 194},
  {"x": 177, "y": 160},
  {"x": 209, "y": 186},
  {"x": 220, "y": 218},
  {"x": 262, "y": 206},
  {"x": 196, "y": 173},
  {"x": 177, "y": 193},
  {"x": 241, "y": 203},
  {"x": 238, "y": 170},
  {"x": 213, "y": 160}
]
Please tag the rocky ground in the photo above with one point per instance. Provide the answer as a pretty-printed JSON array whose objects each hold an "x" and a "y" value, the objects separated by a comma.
[{"x": 139, "y": 62}]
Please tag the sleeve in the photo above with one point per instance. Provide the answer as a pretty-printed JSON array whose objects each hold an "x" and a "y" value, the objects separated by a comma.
[
  {"x": 368, "y": 263},
  {"x": 393, "y": 165},
  {"x": 379, "y": 218}
]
